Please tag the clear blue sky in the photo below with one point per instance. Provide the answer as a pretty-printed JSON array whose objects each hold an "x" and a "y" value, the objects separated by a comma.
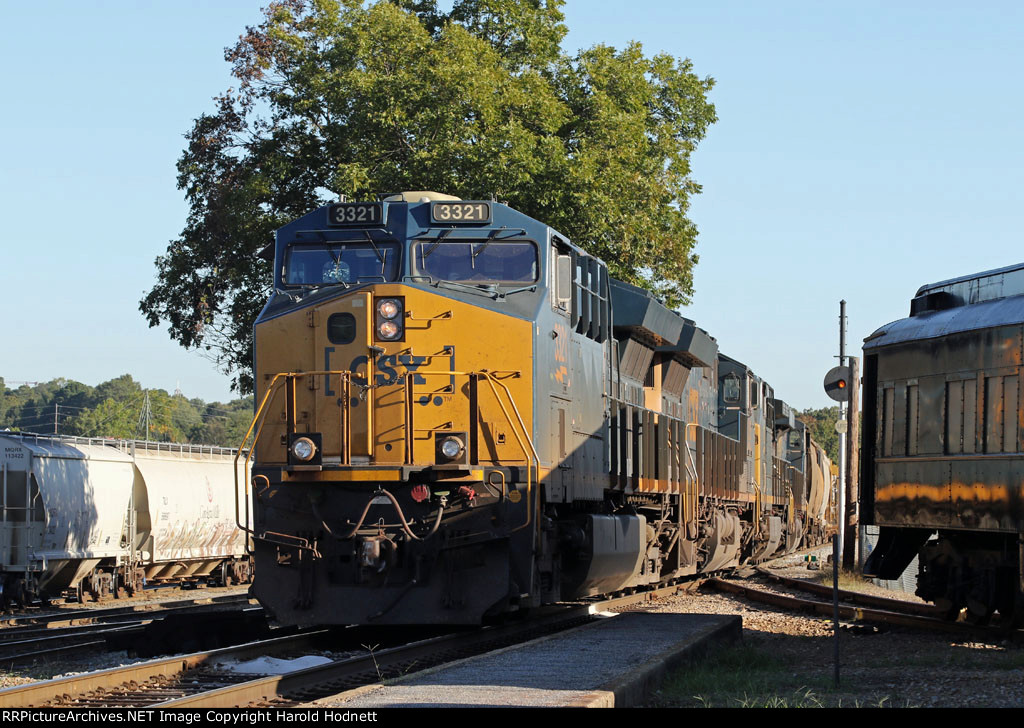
[{"x": 862, "y": 150}]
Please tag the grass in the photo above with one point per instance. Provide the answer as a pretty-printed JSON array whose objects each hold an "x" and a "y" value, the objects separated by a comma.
[
  {"x": 752, "y": 676},
  {"x": 740, "y": 676},
  {"x": 849, "y": 580}
]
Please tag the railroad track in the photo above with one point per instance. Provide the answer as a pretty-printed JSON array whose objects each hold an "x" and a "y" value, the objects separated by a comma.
[
  {"x": 48, "y": 637},
  {"x": 205, "y": 680},
  {"x": 67, "y": 618},
  {"x": 882, "y": 610}
]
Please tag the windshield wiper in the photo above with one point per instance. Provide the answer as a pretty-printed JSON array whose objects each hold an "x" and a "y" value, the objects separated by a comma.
[
  {"x": 485, "y": 243},
  {"x": 369, "y": 239},
  {"x": 531, "y": 287},
  {"x": 444, "y": 234},
  {"x": 488, "y": 290}
]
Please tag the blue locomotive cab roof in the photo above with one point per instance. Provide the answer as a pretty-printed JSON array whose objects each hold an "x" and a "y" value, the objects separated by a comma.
[
  {"x": 420, "y": 235},
  {"x": 968, "y": 303}
]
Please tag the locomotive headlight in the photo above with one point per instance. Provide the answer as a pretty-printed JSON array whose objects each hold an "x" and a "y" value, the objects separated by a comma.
[
  {"x": 389, "y": 308},
  {"x": 388, "y": 315},
  {"x": 303, "y": 449},
  {"x": 451, "y": 447},
  {"x": 389, "y": 330}
]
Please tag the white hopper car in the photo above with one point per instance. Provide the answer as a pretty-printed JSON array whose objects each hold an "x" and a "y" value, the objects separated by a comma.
[{"x": 98, "y": 518}]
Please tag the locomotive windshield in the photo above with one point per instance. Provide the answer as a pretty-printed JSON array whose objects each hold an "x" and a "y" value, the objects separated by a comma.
[
  {"x": 477, "y": 261},
  {"x": 350, "y": 262}
]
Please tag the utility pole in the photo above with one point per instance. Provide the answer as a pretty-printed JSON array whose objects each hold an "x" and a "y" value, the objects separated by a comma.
[{"x": 144, "y": 417}]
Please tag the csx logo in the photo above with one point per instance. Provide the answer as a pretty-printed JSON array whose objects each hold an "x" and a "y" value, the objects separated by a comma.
[
  {"x": 387, "y": 369},
  {"x": 386, "y": 366}
]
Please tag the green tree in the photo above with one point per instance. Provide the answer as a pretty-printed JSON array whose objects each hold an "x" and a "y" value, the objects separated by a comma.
[
  {"x": 336, "y": 97},
  {"x": 822, "y": 424}
]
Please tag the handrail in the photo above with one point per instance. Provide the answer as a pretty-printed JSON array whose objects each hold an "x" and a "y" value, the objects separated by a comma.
[
  {"x": 529, "y": 466},
  {"x": 259, "y": 418},
  {"x": 696, "y": 481}
]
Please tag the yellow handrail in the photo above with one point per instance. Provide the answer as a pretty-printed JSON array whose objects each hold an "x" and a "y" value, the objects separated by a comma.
[{"x": 529, "y": 451}]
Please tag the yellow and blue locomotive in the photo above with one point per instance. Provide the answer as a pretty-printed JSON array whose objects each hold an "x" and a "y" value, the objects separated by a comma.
[{"x": 460, "y": 414}]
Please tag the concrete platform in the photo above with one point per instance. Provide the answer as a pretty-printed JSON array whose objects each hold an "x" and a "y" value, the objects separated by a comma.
[{"x": 614, "y": 662}]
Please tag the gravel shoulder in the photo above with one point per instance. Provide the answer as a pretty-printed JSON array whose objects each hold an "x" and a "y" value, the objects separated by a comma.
[{"x": 786, "y": 660}]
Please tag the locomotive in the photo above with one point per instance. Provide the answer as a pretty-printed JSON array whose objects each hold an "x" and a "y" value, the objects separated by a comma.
[
  {"x": 942, "y": 457},
  {"x": 460, "y": 414},
  {"x": 94, "y": 518}
]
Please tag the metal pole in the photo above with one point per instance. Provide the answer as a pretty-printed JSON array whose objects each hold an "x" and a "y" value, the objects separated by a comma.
[
  {"x": 842, "y": 436},
  {"x": 835, "y": 605}
]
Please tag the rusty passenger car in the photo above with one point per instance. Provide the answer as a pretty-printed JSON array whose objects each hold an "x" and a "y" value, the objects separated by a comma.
[
  {"x": 460, "y": 414},
  {"x": 943, "y": 457}
]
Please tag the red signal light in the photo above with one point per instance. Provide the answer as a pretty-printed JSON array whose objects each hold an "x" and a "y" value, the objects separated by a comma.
[{"x": 837, "y": 381}]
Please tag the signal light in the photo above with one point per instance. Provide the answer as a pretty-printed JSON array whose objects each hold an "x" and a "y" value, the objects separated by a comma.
[{"x": 837, "y": 383}]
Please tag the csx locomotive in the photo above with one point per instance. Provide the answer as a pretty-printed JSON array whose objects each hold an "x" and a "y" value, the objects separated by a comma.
[
  {"x": 460, "y": 414},
  {"x": 943, "y": 444}
]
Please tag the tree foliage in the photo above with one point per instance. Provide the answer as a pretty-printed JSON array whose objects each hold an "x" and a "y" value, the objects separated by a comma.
[
  {"x": 340, "y": 97},
  {"x": 822, "y": 424},
  {"x": 115, "y": 409}
]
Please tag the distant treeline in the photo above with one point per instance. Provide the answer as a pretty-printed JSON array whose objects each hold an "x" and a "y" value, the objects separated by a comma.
[{"x": 119, "y": 408}]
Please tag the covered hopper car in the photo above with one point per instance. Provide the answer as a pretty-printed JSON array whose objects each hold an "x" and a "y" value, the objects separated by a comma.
[
  {"x": 461, "y": 414},
  {"x": 94, "y": 517}
]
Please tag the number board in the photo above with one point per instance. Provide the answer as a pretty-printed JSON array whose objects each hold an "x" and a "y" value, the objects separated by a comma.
[
  {"x": 356, "y": 213},
  {"x": 460, "y": 212}
]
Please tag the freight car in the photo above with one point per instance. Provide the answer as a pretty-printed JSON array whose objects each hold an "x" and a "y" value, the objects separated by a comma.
[
  {"x": 461, "y": 414},
  {"x": 96, "y": 518},
  {"x": 942, "y": 457}
]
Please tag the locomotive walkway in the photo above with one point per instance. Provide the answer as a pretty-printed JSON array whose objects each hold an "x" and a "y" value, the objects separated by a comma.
[{"x": 611, "y": 663}]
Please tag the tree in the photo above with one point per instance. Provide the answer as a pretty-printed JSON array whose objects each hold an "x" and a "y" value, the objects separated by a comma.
[
  {"x": 335, "y": 97},
  {"x": 822, "y": 425}
]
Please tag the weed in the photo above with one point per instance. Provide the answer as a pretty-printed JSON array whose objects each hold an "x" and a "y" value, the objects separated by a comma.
[{"x": 370, "y": 649}]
